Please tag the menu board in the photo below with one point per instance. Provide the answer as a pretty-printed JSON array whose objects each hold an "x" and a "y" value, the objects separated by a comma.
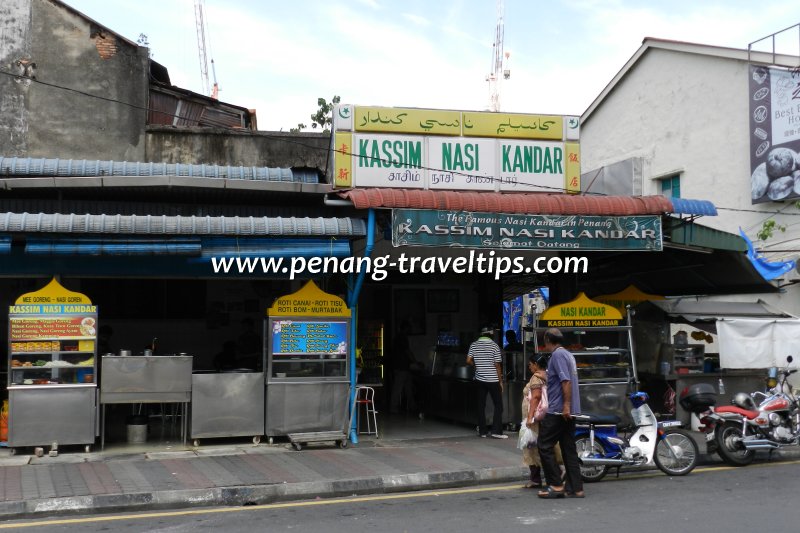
[
  {"x": 52, "y": 327},
  {"x": 292, "y": 337}
]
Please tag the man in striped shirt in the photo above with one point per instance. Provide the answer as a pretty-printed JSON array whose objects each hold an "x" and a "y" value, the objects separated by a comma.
[{"x": 484, "y": 354}]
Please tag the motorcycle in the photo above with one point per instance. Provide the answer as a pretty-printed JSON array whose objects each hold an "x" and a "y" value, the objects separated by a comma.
[
  {"x": 739, "y": 430},
  {"x": 600, "y": 448}
]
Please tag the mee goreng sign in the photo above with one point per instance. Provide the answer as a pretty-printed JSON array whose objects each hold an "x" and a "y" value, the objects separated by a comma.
[{"x": 423, "y": 227}]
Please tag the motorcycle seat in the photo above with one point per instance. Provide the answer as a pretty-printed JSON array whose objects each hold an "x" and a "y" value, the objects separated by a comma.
[
  {"x": 737, "y": 410},
  {"x": 597, "y": 420}
]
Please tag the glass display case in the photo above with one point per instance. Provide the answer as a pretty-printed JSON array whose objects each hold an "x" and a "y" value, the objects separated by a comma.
[
  {"x": 371, "y": 345},
  {"x": 308, "y": 349},
  {"x": 52, "y": 368},
  {"x": 605, "y": 362},
  {"x": 51, "y": 361}
]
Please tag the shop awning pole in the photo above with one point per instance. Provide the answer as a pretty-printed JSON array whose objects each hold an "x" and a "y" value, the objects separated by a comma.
[{"x": 352, "y": 301}]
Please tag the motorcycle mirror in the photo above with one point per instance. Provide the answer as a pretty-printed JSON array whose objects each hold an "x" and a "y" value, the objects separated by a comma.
[{"x": 789, "y": 359}]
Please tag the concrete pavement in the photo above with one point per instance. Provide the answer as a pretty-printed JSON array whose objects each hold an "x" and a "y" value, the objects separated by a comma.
[{"x": 237, "y": 473}]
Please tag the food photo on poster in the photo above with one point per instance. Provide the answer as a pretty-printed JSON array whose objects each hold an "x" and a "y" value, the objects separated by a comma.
[{"x": 775, "y": 134}]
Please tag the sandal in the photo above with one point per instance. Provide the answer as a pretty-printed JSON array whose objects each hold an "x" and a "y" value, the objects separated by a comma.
[
  {"x": 549, "y": 493},
  {"x": 532, "y": 485},
  {"x": 580, "y": 494}
]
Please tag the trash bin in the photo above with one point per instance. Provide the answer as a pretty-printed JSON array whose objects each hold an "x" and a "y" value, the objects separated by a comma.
[{"x": 137, "y": 429}]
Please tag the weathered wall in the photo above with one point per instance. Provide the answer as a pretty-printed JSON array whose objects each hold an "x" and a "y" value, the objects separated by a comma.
[
  {"x": 688, "y": 114},
  {"x": 71, "y": 53},
  {"x": 15, "y": 25},
  {"x": 226, "y": 147}
]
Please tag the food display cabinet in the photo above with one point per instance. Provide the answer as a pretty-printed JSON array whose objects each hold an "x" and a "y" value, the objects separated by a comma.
[{"x": 52, "y": 369}]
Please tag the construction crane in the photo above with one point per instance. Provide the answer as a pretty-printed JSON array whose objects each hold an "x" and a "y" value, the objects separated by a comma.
[
  {"x": 212, "y": 91},
  {"x": 498, "y": 56}
]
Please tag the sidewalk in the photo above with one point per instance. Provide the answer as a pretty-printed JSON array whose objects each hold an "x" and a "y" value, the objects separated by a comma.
[{"x": 242, "y": 474}]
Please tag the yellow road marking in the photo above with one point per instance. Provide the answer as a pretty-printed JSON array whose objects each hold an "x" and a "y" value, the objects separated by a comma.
[{"x": 334, "y": 501}]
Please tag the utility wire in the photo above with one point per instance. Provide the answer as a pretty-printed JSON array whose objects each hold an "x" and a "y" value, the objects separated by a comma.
[{"x": 334, "y": 150}]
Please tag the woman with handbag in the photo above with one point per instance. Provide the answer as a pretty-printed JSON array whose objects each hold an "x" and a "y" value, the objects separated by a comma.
[{"x": 534, "y": 406}]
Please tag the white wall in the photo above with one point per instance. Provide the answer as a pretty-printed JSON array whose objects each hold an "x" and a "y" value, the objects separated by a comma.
[{"x": 688, "y": 113}]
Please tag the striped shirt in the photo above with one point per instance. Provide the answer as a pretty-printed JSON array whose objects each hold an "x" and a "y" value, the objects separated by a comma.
[{"x": 485, "y": 353}]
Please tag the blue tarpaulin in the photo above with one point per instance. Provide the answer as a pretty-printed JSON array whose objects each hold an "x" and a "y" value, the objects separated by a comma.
[{"x": 768, "y": 270}]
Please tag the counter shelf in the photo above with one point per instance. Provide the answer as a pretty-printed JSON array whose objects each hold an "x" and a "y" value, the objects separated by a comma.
[
  {"x": 227, "y": 404},
  {"x": 606, "y": 375},
  {"x": 307, "y": 389},
  {"x": 146, "y": 379},
  {"x": 56, "y": 400}
]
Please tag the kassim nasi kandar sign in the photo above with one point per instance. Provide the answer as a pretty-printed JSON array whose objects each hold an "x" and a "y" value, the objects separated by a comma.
[
  {"x": 455, "y": 150},
  {"x": 423, "y": 227}
]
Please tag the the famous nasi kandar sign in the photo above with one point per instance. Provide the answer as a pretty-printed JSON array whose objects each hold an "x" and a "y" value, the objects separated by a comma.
[
  {"x": 774, "y": 134},
  {"x": 455, "y": 150},
  {"x": 422, "y": 227}
]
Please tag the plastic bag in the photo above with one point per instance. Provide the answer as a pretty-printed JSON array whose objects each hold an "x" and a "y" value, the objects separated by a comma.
[
  {"x": 527, "y": 437},
  {"x": 541, "y": 409}
]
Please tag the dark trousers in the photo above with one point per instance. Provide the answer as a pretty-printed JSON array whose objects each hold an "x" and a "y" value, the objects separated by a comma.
[
  {"x": 555, "y": 429},
  {"x": 493, "y": 389}
]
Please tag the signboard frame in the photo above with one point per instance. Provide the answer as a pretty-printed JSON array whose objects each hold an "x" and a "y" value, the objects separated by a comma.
[
  {"x": 774, "y": 132},
  {"x": 429, "y": 227}
]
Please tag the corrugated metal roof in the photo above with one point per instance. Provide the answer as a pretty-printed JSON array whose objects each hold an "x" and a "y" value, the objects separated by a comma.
[
  {"x": 492, "y": 202},
  {"x": 684, "y": 206},
  {"x": 19, "y": 166},
  {"x": 179, "y": 225}
]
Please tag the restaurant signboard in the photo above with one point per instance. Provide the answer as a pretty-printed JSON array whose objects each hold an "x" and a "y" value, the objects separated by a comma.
[
  {"x": 455, "y": 150},
  {"x": 428, "y": 227}
]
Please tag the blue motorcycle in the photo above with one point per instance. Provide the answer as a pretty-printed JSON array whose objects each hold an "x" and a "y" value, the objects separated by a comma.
[{"x": 600, "y": 447}]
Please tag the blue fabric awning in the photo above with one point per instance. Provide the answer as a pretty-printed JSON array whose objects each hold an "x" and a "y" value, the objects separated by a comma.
[{"x": 685, "y": 206}]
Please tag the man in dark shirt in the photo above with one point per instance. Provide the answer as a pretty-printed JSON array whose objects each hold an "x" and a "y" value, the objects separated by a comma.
[
  {"x": 402, "y": 361},
  {"x": 558, "y": 425},
  {"x": 512, "y": 344}
]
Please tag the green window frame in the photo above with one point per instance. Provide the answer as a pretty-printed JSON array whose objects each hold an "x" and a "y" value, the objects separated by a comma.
[{"x": 671, "y": 187}]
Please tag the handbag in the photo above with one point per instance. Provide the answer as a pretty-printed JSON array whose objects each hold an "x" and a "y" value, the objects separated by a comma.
[{"x": 541, "y": 409}]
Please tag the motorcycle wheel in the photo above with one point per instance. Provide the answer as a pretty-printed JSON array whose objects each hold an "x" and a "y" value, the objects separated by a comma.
[
  {"x": 592, "y": 473},
  {"x": 676, "y": 454},
  {"x": 731, "y": 451}
]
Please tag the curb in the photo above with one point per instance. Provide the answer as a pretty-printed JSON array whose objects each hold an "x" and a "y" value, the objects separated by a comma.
[{"x": 258, "y": 494}]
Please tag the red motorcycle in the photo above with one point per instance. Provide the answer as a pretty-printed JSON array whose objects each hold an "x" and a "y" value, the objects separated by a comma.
[{"x": 736, "y": 431}]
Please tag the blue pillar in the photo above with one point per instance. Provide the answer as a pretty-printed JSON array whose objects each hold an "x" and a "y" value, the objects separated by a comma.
[{"x": 353, "y": 292}]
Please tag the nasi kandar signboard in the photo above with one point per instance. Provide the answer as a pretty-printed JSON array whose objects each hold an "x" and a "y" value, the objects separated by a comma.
[
  {"x": 454, "y": 150},
  {"x": 580, "y": 312},
  {"x": 428, "y": 227}
]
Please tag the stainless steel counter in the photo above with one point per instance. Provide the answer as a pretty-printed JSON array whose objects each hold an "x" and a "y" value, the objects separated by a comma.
[
  {"x": 40, "y": 415},
  {"x": 297, "y": 407},
  {"x": 146, "y": 379},
  {"x": 228, "y": 405}
]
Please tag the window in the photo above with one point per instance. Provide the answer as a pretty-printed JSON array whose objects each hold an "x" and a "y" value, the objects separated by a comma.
[{"x": 671, "y": 187}]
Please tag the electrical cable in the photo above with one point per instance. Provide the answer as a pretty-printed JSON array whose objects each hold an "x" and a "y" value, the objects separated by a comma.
[{"x": 334, "y": 150}]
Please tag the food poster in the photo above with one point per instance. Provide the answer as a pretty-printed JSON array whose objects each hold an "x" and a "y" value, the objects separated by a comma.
[
  {"x": 291, "y": 337},
  {"x": 308, "y": 333},
  {"x": 774, "y": 134},
  {"x": 52, "y": 319},
  {"x": 34, "y": 328}
]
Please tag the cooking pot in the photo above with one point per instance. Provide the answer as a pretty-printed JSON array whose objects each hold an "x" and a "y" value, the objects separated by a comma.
[
  {"x": 125, "y": 352},
  {"x": 462, "y": 372}
]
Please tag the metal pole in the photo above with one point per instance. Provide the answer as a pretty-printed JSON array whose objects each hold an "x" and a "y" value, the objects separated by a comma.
[{"x": 352, "y": 302}]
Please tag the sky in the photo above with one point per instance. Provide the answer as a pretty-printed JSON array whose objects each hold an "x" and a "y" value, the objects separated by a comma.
[{"x": 279, "y": 56}]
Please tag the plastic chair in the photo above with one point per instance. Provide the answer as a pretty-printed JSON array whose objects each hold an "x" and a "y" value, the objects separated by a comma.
[{"x": 365, "y": 396}]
